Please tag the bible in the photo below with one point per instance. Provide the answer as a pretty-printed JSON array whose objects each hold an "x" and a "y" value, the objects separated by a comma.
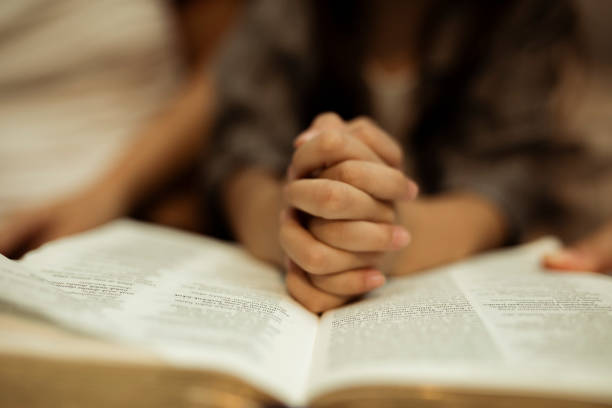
[{"x": 142, "y": 315}]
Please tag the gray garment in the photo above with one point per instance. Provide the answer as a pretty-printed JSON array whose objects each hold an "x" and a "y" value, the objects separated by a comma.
[{"x": 506, "y": 116}]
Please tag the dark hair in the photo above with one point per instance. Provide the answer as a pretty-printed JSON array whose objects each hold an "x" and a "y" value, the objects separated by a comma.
[{"x": 340, "y": 31}]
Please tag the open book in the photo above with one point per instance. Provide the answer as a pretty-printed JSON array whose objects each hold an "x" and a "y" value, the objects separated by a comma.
[{"x": 495, "y": 325}]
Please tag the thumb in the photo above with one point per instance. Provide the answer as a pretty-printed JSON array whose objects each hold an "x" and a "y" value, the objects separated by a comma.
[{"x": 593, "y": 253}]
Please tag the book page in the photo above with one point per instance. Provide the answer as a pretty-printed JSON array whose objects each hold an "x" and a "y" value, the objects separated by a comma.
[
  {"x": 495, "y": 322},
  {"x": 195, "y": 301}
]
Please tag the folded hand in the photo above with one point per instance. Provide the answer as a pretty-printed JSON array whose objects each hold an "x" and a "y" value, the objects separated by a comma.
[{"x": 343, "y": 182}]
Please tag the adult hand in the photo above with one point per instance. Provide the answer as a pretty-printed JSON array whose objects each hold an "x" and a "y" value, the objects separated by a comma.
[
  {"x": 594, "y": 254},
  {"x": 27, "y": 229},
  {"x": 333, "y": 254}
]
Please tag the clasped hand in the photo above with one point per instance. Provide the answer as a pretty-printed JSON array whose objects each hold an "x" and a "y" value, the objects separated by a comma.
[{"x": 340, "y": 218}]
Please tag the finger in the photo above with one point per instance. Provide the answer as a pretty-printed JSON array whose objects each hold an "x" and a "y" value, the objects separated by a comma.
[
  {"x": 591, "y": 254},
  {"x": 571, "y": 260},
  {"x": 314, "y": 256},
  {"x": 324, "y": 121},
  {"x": 359, "y": 236},
  {"x": 16, "y": 234},
  {"x": 313, "y": 299},
  {"x": 328, "y": 120},
  {"x": 349, "y": 283},
  {"x": 376, "y": 179},
  {"x": 328, "y": 148},
  {"x": 332, "y": 199},
  {"x": 378, "y": 140}
]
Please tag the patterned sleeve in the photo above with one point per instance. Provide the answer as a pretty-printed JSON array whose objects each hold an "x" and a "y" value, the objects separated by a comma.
[
  {"x": 511, "y": 129},
  {"x": 257, "y": 105}
]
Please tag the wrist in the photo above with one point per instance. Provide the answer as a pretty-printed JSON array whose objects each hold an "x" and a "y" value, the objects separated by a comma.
[
  {"x": 252, "y": 200},
  {"x": 447, "y": 228}
]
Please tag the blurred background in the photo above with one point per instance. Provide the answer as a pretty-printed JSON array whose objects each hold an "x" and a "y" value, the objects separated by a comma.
[
  {"x": 106, "y": 109},
  {"x": 589, "y": 115},
  {"x": 594, "y": 110},
  {"x": 103, "y": 112}
]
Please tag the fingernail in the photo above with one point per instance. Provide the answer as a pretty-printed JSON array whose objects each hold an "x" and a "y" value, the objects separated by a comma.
[
  {"x": 305, "y": 137},
  {"x": 400, "y": 237},
  {"x": 374, "y": 279},
  {"x": 412, "y": 191}
]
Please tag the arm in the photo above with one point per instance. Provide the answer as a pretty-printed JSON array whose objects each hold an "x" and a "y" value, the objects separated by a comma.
[
  {"x": 258, "y": 118},
  {"x": 353, "y": 233},
  {"x": 447, "y": 228},
  {"x": 342, "y": 183},
  {"x": 253, "y": 202},
  {"x": 164, "y": 147},
  {"x": 172, "y": 140},
  {"x": 167, "y": 144},
  {"x": 253, "y": 147},
  {"x": 509, "y": 124}
]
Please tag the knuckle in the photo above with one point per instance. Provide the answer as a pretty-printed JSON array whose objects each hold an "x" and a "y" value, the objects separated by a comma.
[
  {"x": 365, "y": 128},
  {"x": 313, "y": 260},
  {"x": 330, "y": 142},
  {"x": 316, "y": 304},
  {"x": 360, "y": 131},
  {"x": 364, "y": 122},
  {"x": 325, "y": 118},
  {"x": 349, "y": 173},
  {"x": 331, "y": 198}
]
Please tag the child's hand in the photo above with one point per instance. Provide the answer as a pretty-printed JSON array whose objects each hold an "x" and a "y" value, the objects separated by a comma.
[{"x": 333, "y": 255}]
